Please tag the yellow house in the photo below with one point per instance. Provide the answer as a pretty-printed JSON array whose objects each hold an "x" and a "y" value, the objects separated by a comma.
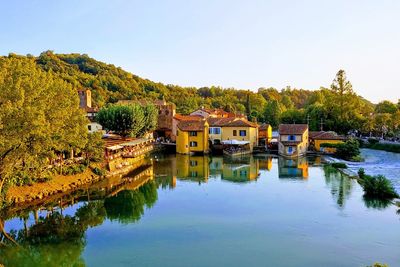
[
  {"x": 241, "y": 171},
  {"x": 192, "y": 137},
  {"x": 293, "y": 140},
  {"x": 264, "y": 134},
  {"x": 241, "y": 130},
  {"x": 322, "y": 137}
]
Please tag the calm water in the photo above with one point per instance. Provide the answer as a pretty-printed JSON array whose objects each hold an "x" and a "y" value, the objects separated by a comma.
[{"x": 202, "y": 211}]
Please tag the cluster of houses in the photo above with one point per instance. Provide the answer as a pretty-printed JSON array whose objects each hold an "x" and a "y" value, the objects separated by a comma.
[{"x": 205, "y": 130}]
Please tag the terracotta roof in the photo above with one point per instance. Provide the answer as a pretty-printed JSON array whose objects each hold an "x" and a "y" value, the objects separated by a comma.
[
  {"x": 292, "y": 128},
  {"x": 181, "y": 117},
  {"x": 219, "y": 121},
  {"x": 195, "y": 126},
  {"x": 216, "y": 111},
  {"x": 264, "y": 126},
  {"x": 322, "y": 135},
  {"x": 241, "y": 123}
]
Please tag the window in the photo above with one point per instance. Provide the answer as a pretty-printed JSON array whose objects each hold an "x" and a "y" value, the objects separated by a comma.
[
  {"x": 290, "y": 149},
  {"x": 292, "y": 138},
  {"x": 234, "y": 133},
  {"x": 193, "y": 174},
  {"x": 193, "y": 163},
  {"x": 193, "y": 144},
  {"x": 242, "y": 133},
  {"x": 192, "y": 133},
  {"x": 214, "y": 130},
  {"x": 89, "y": 127}
]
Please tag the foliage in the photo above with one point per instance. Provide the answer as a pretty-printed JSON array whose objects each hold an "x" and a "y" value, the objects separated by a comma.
[
  {"x": 98, "y": 171},
  {"x": 94, "y": 148},
  {"x": 378, "y": 187},
  {"x": 127, "y": 120},
  {"x": 339, "y": 165},
  {"x": 330, "y": 145},
  {"x": 272, "y": 113},
  {"x": 377, "y": 264},
  {"x": 348, "y": 150},
  {"x": 73, "y": 169},
  {"x": 39, "y": 118},
  {"x": 373, "y": 141},
  {"x": 386, "y": 147}
]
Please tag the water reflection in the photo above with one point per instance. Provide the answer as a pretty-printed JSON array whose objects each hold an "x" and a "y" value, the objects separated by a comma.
[
  {"x": 293, "y": 168},
  {"x": 340, "y": 185}
]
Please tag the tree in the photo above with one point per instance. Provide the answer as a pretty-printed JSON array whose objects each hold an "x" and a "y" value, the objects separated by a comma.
[
  {"x": 94, "y": 149},
  {"x": 292, "y": 116},
  {"x": 125, "y": 120},
  {"x": 272, "y": 113},
  {"x": 39, "y": 119},
  {"x": 342, "y": 88},
  {"x": 386, "y": 107}
]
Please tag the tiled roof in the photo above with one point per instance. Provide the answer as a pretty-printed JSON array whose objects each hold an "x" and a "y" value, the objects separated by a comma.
[
  {"x": 322, "y": 135},
  {"x": 292, "y": 128},
  {"x": 219, "y": 121},
  {"x": 181, "y": 117},
  {"x": 196, "y": 126},
  {"x": 241, "y": 123}
]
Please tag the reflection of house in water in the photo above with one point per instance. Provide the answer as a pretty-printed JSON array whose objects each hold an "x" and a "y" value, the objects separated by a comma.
[
  {"x": 265, "y": 163},
  {"x": 240, "y": 170},
  {"x": 193, "y": 168},
  {"x": 293, "y": 168}
]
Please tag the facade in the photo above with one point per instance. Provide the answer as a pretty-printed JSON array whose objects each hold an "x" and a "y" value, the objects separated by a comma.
[
  {"x": 192, "y": 137},
  {"x": 293, "y": 168},
  {"x": 322, "y": 137},
  {"x": 85, "y": 103},
  {"x": 85, "y": 98},
  {"x": 264, "y": 134},
  {"x": 94, "y": 127},
  {"x": 241, "y": 130},
  {"x": 216, "y": 127},
  {"x": 177, "y": 119},
  {"x": 293, "y": 140}
]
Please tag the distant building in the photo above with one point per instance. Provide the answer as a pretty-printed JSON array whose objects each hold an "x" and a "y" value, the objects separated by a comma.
[
  {"x": 85, "y": 103},
  {"x": 322, "y": 137},
  {"x": 215, "y": 113},
  {"x": 192, "y": 137},
  {"x": 293, "y": 140},
  {"x": 264, "y": 134}
]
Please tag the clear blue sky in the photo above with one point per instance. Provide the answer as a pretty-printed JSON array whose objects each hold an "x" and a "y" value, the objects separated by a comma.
[{"x": 242, "y": 44}]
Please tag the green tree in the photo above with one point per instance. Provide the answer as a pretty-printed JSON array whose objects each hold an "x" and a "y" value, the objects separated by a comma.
[
  {"x": 386, "y": 107},
  {"x": 94, "y": 148},
  {"x": 39, "y": 119},
  {"x": 272, "y": 113}
]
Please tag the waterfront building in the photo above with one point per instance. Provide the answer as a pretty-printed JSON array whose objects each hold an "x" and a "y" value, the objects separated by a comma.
[
  {"x": 293, "y": 140},
  {"x": 264, "y": 134},
  {"x": 322, "y": 137},
  {"x": 192, "y": 137}
]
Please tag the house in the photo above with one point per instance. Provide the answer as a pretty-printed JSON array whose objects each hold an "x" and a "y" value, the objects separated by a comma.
[
  {"x": 321, "y": 137},
  {"x": 192, "y": 137},
  {"x": 293, "y": 168},
  {"x": 85, "y": 103},
  {"x": 293, "y": 140},
  {"x": 241, "y": 130},
  {"x": 215, "y": 128},
  {"x": 264, "y": 134},
  {"x": 177, "y": 119}
]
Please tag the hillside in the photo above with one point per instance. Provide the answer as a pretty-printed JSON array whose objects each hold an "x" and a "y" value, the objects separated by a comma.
[{"x": 109, "y": 84}]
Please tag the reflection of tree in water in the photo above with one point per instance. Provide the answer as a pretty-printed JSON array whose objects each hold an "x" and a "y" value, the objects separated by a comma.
[
  {"x": 58, "y": 240},
  {"x": 55, "y": 240},
  {"x": 340, "y": 185},
  {"x": 165, "y": 181},
  {"x": 375, "y": 203},
  {"x": 128, "y": 206}
]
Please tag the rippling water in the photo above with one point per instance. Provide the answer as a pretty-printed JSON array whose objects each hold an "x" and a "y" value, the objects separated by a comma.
[{"x": 209, "y": 211}]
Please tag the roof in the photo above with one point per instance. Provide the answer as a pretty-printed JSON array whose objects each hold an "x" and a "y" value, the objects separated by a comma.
[
  {"x": 193, "y": 126},
  {"x": 230, "y": 122},
  {"x": 216, "y": 111},
  {"x": 241, "y": 123},
  {"x": 322, "y": 135},
  {"x": 264, "y": 126},
  {"x": 292, "y": 128},
  {"x": 181, "y": 117},
  {"x": 219, "y": 121}
]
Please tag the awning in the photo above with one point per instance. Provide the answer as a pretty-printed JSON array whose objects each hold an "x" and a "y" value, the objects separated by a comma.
[
  {"x": 115, "y": 147},
  {"x": 234, "y": 142}
]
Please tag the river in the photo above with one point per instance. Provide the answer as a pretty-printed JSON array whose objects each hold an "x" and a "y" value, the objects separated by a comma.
[{"x": 210, "y": 211}]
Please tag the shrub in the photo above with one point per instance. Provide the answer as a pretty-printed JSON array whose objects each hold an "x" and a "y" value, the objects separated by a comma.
[
  {"x": 329, "y": 145},
  {"x": 377, "y": 186},
  {"x": 339, "y": 165},
  {"x": 373, "y": 141},
  {"x": 73, "y": 169},
  {"x": 386, "y": 147},
  {"x": 348, "y": 150}
]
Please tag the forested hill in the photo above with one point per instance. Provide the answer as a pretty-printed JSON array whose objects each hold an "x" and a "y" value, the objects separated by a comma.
[{"x": 340, "y": 109}]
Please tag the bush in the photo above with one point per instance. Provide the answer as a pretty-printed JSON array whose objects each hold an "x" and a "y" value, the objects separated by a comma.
[
  {"x": 377, "y": 186},
  {"x": 329, "y": 145},
  {"x": 74, "y": 169},
  {"x": 339, "y": 165},
  {"x": 348, "y": 150},
  {"x": 386, "y": 147},
  {"x": 373, "y": 141}
]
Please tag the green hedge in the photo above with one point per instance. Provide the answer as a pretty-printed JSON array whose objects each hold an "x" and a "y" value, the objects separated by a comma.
[
  {"x": 386, "y": 147},
  {"x": 339, "y": 165},
  {"x": 377, "y": 186}
]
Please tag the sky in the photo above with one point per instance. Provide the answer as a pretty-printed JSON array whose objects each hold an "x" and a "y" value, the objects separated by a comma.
[{"x": 242, "y": 44}]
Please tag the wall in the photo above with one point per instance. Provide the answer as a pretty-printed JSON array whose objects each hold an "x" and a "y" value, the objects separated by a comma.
[
  {"x": 317, "y": 144},
  {"x": 251, "y": 135}
]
